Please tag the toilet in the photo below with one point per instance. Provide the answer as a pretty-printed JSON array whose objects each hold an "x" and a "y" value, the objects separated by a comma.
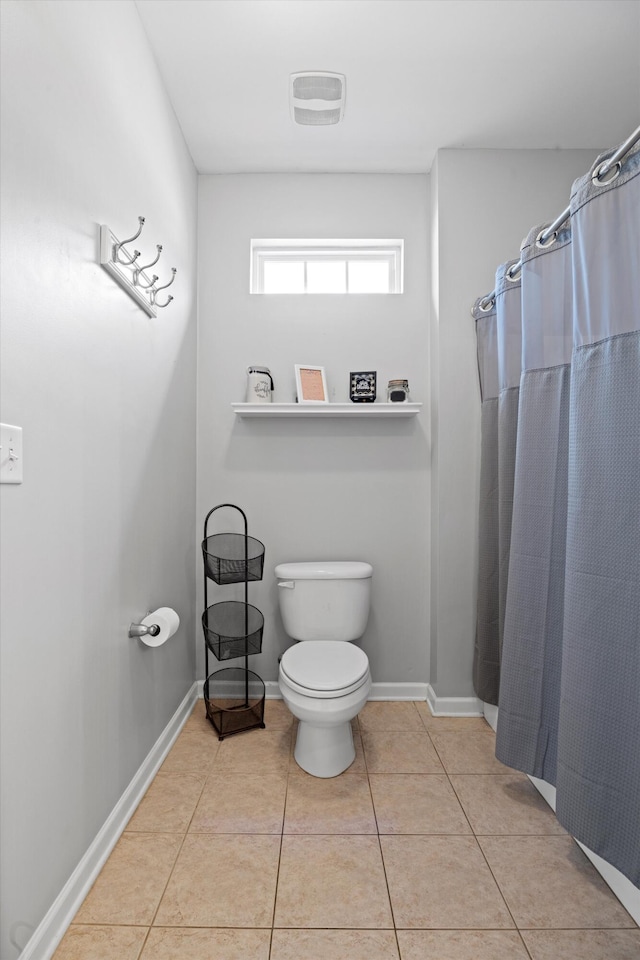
[{"x": 324, "y": 678}]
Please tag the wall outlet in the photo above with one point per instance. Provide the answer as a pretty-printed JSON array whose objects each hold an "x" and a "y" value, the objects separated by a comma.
[{"x": 10, "y": 453}]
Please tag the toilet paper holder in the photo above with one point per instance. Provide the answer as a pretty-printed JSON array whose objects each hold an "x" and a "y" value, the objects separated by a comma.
[
  {"x": 142, "y": 630},
  {"x": 157, "y": 627}
]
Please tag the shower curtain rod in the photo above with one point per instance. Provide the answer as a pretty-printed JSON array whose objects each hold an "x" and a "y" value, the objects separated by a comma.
[{"x": 547, "y": 236}]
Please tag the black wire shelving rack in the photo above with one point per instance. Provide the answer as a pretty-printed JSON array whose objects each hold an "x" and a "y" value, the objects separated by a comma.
[{"x": 233, "y": 696}]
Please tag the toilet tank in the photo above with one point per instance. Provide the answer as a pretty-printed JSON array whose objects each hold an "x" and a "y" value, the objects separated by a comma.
[{"x": 324, "y": 601}]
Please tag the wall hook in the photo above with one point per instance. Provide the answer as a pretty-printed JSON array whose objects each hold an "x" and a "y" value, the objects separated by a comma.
[
  {"x": 156, "y": 290},
  {"x": 140, "y": 269},
  {"x": 145, "y": 286},
  {"x": 118, "y": 246}
]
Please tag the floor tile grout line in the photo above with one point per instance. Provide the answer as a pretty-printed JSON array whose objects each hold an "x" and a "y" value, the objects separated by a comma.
[
  {"x": 144, "y": 943},
  {"x": 386, "y": 881},
  {"x": 475, "y": 836},
  {"x": 495, "y": 880},
  {"x": 460, "y": 804},
  {"x": 526, "y": 948},
  {"x": 275, "y": 893},
  {"x": 282, "y": 834},
  {"x": 164, "y": 889},
  {"x": 384, "y": 867},
  {"x": 184, "y": 838}
]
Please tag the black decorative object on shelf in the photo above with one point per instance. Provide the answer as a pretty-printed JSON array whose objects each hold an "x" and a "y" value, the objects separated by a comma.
[
  {"x": 234, "y": 697},
  {"x": 362, "y": 386}
]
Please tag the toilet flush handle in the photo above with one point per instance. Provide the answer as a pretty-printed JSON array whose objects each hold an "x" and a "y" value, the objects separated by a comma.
[{"x": 287, "y": 584}]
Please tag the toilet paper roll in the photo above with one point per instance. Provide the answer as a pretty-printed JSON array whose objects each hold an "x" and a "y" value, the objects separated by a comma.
[{"x": 168, "y": 621}]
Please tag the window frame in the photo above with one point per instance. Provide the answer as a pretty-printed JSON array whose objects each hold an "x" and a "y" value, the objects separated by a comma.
[{"x": 305, "y": 250}]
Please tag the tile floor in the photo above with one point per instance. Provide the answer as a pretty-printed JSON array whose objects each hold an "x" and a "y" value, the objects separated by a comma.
[{"x": 427, "y": 847}]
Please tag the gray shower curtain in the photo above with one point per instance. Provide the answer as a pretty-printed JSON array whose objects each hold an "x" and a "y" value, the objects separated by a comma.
[
  {"x": 532, "y": 654},
  {"x": 598, "y": 779},
  {"x": 499, "y": 347},
  {"x": 569, "y": 664},
  {"x": 486, "y": 659}
]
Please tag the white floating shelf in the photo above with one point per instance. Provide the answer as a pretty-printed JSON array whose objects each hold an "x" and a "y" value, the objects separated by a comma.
[{"x": 355, "y": 410}]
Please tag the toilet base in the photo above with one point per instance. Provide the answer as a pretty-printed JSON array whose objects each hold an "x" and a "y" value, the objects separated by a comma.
[
  {"x": 324, "y": 751},
  {"x": 324, "y": 744}
]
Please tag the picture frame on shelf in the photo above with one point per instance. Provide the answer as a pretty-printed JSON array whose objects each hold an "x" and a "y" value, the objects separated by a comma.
[
  {"x": 311, "y": 383},
  {"x": 362, "y": 386}
]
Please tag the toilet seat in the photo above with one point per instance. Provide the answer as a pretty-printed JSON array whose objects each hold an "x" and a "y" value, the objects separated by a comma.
[{"x": 325, "y": 668}]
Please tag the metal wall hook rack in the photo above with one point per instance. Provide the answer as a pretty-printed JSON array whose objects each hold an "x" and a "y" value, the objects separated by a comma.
[{"x": 123, "y": 265}]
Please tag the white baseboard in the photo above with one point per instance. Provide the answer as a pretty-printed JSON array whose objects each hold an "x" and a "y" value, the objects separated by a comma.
[
  {"x": 491, "y": 715},
  {"x": 398, "y": 691},
  {"x": 271, "y": 690},
  {"x": 50, "y": 931},
  {"x": 379, "y": 691},
  {"x": 453, "y": 706},
  {"x": 439, "y": 706},
  {"x": 624, "y": 890}
]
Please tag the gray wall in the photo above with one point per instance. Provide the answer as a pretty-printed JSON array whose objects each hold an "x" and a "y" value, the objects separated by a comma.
[
  {"x": 325, "y": 489},
  {"x": 102, "y": 528},
  {"x": 484, "y": 202},
  {"x": 403, "y": 496}
]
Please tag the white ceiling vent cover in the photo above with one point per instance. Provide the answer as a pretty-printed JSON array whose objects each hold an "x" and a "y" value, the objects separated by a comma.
[{"x": 317, "y": 98}]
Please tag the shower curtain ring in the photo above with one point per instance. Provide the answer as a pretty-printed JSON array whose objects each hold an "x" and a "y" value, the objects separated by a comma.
[
  {"x": 604, "y": 174},
  {"x": 118, "y": 246},
  {"x": 486, "y": 304},
  {"x": 542, "y": 241},
  {"x": 514, "y": 271}
]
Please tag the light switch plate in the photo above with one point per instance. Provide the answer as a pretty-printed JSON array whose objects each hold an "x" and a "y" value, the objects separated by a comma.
[{"x": 10, "y": 453}]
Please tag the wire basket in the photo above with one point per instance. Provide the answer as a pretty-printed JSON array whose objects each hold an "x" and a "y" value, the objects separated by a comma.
[
  {"x": 233, "y": 629},
  {"x": 226, "y": 561},
  {"x": 234, "y": 700}
]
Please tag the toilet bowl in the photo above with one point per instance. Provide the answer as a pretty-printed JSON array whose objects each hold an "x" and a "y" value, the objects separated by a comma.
[{"x": 324, "y": 678}]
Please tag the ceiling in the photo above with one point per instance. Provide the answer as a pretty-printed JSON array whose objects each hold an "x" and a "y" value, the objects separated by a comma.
[{"x": 421, "y": 75}]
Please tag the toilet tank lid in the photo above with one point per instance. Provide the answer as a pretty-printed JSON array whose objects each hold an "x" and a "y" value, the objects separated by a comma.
[{"x": 324, "y": 570}]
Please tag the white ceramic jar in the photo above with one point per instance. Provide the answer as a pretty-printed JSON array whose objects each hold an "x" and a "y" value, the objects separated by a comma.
[{"x": 259, "y": 385}]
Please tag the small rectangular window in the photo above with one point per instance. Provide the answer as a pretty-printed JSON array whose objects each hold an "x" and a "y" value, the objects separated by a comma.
[
  {"x": 326, "y": 266},
  {"x": 283, "y": 276}
]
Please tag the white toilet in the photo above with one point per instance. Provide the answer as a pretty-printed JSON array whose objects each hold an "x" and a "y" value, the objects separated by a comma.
[{"x": 324, "y": 679}]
